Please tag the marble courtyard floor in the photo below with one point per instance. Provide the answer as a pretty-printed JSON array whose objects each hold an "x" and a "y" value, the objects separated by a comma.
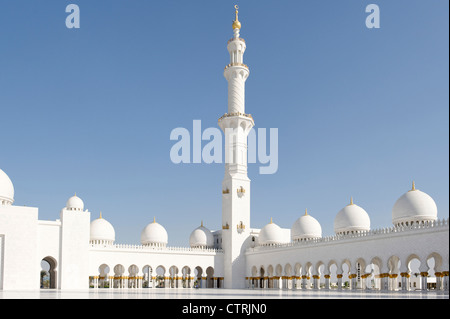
[{"x": 157, "y": 293}]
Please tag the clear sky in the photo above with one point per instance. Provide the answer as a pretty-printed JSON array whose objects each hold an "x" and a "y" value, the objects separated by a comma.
[{"x": 360, "y": 112}]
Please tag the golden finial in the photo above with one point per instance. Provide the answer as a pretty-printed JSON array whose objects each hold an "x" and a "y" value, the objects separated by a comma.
[
  {"x": 351, "y": 200},
  {"x": 202, "y": 223},
  {"x": 100, "y": 215},
  {"x": 413, "y": 186},
  {"x": 154, "y": 219},
  {"x": 236, "y": 23},
  {"x": 75, "y": 194},
  {"x": 306, "y": 211},
  {"x": 271, "y": 220}
]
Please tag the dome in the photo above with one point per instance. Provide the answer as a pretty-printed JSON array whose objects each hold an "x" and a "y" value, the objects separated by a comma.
[
  {"x": 154, "y": 235},
  {"x": 351, "y": 218},
  {"x": 75, "y": 203},
  {"x": 271, "y": 234},
  {"x": 201, "y": 237},
  {"x": 6, "y": 189},
  {"x": 102, "y": 231},
  {"x": 306, "y": 227},
  {"x": 414, "y": 206}
]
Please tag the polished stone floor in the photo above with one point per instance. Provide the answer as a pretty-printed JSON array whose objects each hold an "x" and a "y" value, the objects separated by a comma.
[{"x": 158, "y": 293}]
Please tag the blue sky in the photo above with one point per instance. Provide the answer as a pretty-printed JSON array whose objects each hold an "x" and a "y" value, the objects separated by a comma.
[{"x": 360, "y": 112}]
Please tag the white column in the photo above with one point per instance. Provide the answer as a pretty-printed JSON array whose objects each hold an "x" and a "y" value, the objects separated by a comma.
[
  {"x": 327, "y": 282},
  {"x": 424, "y": 280},
  {"x": 339, "y": 281}
]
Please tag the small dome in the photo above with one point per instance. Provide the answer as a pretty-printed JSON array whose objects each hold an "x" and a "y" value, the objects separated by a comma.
[
  {"x": 75, "y": 203},
  {"x": 271, "y": 234},
  {"x": 201, "y": 237},
  {"x": 351, "y": 218},
  {"x": 102, "y": 231},
  {"x": 154, "y": 235},
  {"x": 414, "y": 206},
  {"x": 306, "y": 227},
  {"x": 6, "y": 189}
]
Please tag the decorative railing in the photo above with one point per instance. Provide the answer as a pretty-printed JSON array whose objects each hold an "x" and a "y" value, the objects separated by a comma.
[
  {"x": 236, "y": 64},
  {"x": 234, "y": 39},
  {"x": 155, "y": 248},
  {"x": 235, "y": 114},
  {"x": 429, "y": 225}
]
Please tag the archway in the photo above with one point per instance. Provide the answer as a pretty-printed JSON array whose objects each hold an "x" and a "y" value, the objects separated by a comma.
[
  {"x": 261, "y": 277},
  {"x": 198, "y": 271},
  {"x": 186, "y": 275},
  {"x": 133, "y": 281},
  {"x": 103, "y": 281},
  {"x": 160, "y": 277},
  {"x": 48, "y": 273},
  {"x": 148, "y": 280},
  {"x": 210, "y": 277},
  {"x": 118, "y": 281}
]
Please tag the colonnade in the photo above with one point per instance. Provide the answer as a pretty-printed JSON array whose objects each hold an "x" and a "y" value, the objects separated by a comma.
[
  {"x": 388, "y": 282},
  {"x": 130, "y": 282}
]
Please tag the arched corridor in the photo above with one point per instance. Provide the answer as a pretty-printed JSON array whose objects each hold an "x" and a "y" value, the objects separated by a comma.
[
  {"x": 392, "y": 274},
  {"x": 159, "y": 276}
]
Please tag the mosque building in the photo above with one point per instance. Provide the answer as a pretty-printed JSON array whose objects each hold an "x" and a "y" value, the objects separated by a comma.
[{"x": 81, "y": 252}]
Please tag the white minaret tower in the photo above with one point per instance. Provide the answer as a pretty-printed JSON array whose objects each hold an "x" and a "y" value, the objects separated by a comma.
[{"x": 236, "y": 184}]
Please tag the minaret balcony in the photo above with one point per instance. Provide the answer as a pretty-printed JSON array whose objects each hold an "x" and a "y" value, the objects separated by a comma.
[
  {"x": 236, "y": 64},
  {"x": 235, "y": 114},
  {"x": 234, "y": 39}
]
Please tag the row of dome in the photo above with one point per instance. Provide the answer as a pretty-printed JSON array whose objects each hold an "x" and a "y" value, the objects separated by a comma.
[{"x": 412, "y": 207}]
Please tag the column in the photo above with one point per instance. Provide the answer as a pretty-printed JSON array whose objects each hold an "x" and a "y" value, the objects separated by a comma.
[
  {"x": 296, "y": 282},
  {"x": 424, "y": 280},
  {"x": 439, "y": 276},
  {"x": 384, "y": 282},
  {"x": 166, "y": 282},
  {"x": 445, "y": 281},
  {"x": 316, "y": 282},
  {"x": 203, "y": 282},
  {"x": 352, "y": 278},
  {"x": 339, "y": 281},
  {"x": 327, "y": 282}
]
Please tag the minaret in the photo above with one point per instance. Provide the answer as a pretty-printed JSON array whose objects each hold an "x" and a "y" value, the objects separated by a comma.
[{"x": 236, "y": 184}]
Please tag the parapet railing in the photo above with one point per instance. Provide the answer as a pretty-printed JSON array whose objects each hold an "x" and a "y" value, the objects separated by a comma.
[
  {"x": 236, "y": 64},
  {"x": 443, "y": 223},
  {"x": 154, "y": 248},
  {"x": 234, "y": 39},
  {"x": 235, "y": 114}
]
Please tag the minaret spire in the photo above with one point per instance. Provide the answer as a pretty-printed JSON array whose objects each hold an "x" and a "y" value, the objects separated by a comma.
[{"x": 236, "y": 24}]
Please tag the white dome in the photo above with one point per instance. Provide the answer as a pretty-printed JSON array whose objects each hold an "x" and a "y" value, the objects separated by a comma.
[
  {"x": 201, "y": 237},
  {"x": 6, "y": 189},
  {"x": 414, "y": 206},
  {"x": 102, "y": 231},
  {"x": 351, "y": 218},
  {"x": 271, "y": 234},
  {"x": 306, "y": 227},
  {"x": 154, "y": 235},
  {"x": 75, "y": 203}
]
